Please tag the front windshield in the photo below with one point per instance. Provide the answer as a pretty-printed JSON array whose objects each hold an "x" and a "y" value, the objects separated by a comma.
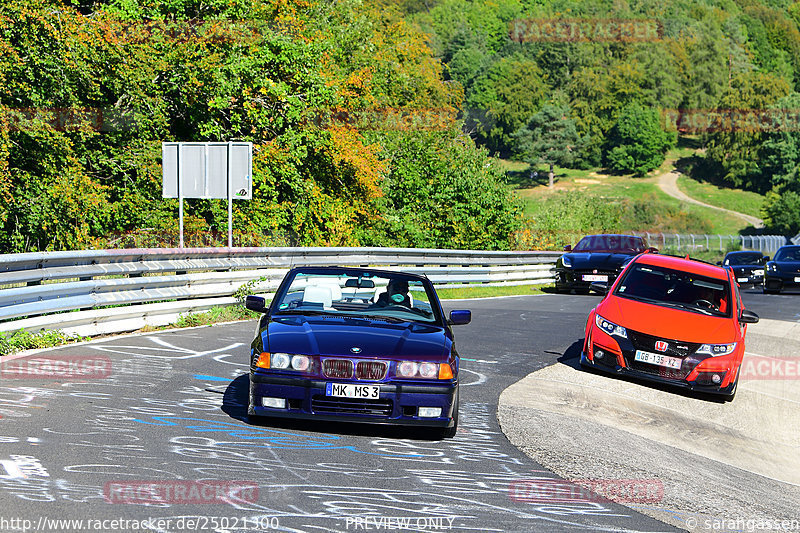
[
  {"x": 743, "y": 259},
  {"x": 788, "y": 254},
  {"x": 676, "y": 289},
  {"x": 360, "y": 294},
  {"x": 611, "y": 243}
]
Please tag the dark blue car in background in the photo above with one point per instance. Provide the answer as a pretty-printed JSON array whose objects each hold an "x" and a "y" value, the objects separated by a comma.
[
  {"x": 783, "y": 272},
  {"x": 596, "y": 258},
  {"x": 748, "y": 267},
  {"x": 355, "y": 345}
]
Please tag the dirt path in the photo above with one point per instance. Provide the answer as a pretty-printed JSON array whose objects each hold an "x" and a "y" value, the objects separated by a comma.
[{"x": 668, "y": 182}]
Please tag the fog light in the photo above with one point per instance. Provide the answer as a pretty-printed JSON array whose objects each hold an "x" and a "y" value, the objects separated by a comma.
[
  {"x": 717, "y": 379},
  {"x": 430, "y": 412},
  {"x": 599, "y": 354},
  {"x": 275, "y": 403}
]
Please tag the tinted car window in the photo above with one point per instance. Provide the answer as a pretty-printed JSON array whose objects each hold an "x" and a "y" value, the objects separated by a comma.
[
  {"x": 610, "y": 243},
  {"x": 788, "y": 254},
  {"x": 676, "y": 289},
  {"x": 743, "y": 259}
]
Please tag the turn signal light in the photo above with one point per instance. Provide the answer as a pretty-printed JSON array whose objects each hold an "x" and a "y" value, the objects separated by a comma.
[
  {"x": 445, "y": 372},
  {"x": 263, "y": 360}
]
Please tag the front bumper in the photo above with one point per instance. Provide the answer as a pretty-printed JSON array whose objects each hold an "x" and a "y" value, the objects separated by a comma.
[
  {"x": 398, "y": 402},
  {"x": 682, "y": 383},
  {"x": 749, "y": 279},
  {"x": 782, "y": 280},
  {"x": 568, "y": 279}
]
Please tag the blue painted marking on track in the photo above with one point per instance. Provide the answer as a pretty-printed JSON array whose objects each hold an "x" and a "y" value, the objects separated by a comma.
[
  {"x": 210, "y": 378},
  {"x": 259, "y": 437}
]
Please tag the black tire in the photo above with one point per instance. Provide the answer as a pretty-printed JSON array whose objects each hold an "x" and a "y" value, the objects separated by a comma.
[{"x": 449, "y": 433}]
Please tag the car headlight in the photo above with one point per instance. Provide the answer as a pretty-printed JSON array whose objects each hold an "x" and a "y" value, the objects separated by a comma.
[
  {"x": 716, "y": 350},
  {"x": 772, "y": 267},
  {"x": 566, "y": 261},
  {"x": 284, "y": 361},
  {"x": 426, "y": 370},
  {"x": 280, "y": 360},
  {"x": 759, "y": 272},
  {"x": 609, "y": 327}
]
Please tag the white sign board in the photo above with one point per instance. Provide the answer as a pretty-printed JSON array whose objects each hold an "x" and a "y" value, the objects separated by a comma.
[{"x": 207, "y": 170}]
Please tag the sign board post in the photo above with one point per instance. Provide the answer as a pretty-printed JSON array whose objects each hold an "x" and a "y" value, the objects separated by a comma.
[{"x": 207, "y": 170}]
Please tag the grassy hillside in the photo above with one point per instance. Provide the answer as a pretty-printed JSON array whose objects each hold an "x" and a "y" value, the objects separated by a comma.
[{"x": 641, "y": 204}]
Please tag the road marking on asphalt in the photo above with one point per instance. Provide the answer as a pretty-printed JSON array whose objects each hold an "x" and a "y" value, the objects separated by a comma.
[{"x": 14, "y": 471}]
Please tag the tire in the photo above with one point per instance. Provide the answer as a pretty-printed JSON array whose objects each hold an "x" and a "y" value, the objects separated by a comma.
[{"x": 449, "y": 433}]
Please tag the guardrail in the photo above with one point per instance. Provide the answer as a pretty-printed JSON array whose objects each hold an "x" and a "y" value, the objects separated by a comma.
[
  {"x": 93, "y": 292},
  {"x": 767, "y": 244}
]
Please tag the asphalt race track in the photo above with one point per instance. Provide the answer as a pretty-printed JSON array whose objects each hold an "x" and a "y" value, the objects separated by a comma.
[{"x": 127, "y": 450}]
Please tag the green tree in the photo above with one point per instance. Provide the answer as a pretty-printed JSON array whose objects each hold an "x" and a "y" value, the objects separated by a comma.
[
  {"x": 550, "y": 137},
  {"x": 638, "y": 143}
]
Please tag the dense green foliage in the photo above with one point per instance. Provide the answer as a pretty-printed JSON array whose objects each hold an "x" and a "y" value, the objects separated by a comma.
[
  {"x": 340, "y": 99},
  {"x": 638, "y": 142},
  {"x": 692, "y": 60}
]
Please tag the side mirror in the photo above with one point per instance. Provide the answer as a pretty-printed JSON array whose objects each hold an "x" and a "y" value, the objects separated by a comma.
[
  {"x": 568, "y": 248},
  {"x": 765, "y": 259},
  {"x": 719, "y": 263},
  {"x": 460, "y": 317},
  {"x": 256, "y": 303},
  {"x": 748, "y": 317},
  {"x": 599, "y": 287},
  {"x": 652, "y": 250}
]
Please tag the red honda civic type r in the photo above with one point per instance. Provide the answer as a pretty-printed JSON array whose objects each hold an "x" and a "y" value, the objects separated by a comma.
[{"x": 671, "y": 320}]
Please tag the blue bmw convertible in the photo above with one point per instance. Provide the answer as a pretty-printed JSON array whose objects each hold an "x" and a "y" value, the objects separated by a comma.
[{"x": 356, "y": 345}]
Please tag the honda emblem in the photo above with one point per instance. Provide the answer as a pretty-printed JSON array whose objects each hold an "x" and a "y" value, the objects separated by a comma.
[{"x": 661, "y": 346}]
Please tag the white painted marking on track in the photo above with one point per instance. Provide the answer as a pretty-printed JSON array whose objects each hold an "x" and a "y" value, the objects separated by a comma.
[
  {"x": 14, "y": 471},
  {"x": 481, "y": 378}
]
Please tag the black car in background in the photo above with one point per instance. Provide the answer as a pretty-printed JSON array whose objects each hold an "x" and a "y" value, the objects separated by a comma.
[
  {"x": 596, "y": 258},
  {"x": 783, "y": 272},
  {"x": 748, "y": 267}
]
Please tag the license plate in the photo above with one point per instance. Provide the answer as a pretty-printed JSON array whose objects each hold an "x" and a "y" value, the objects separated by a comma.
[
  {"x": 658, "y": 359},
  {"x": 594, "y": 277},
  {"x": 341, "y": 390},
  {"x": 797, "y": 279},
  {"x": 742, "y": 280}
]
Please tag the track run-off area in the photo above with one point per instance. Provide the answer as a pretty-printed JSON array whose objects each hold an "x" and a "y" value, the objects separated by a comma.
[{"x": 159, "y": 440}]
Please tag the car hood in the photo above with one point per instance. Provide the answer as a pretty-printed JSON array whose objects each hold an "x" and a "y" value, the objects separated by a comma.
[
  {"x": 747, "y": 268},
  {"x": 668, "y": 323},
  {"x": 787, "y": 266},
  {"x": 329, "y": 336},
  {"x": 598, "y": 260}
]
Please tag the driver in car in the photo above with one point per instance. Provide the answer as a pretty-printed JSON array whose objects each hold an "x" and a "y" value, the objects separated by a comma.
[{"x": 396, "y": 294}]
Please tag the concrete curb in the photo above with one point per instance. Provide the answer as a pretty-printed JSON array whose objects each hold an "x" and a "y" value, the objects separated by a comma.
[{"x": 717, "y": 461}]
